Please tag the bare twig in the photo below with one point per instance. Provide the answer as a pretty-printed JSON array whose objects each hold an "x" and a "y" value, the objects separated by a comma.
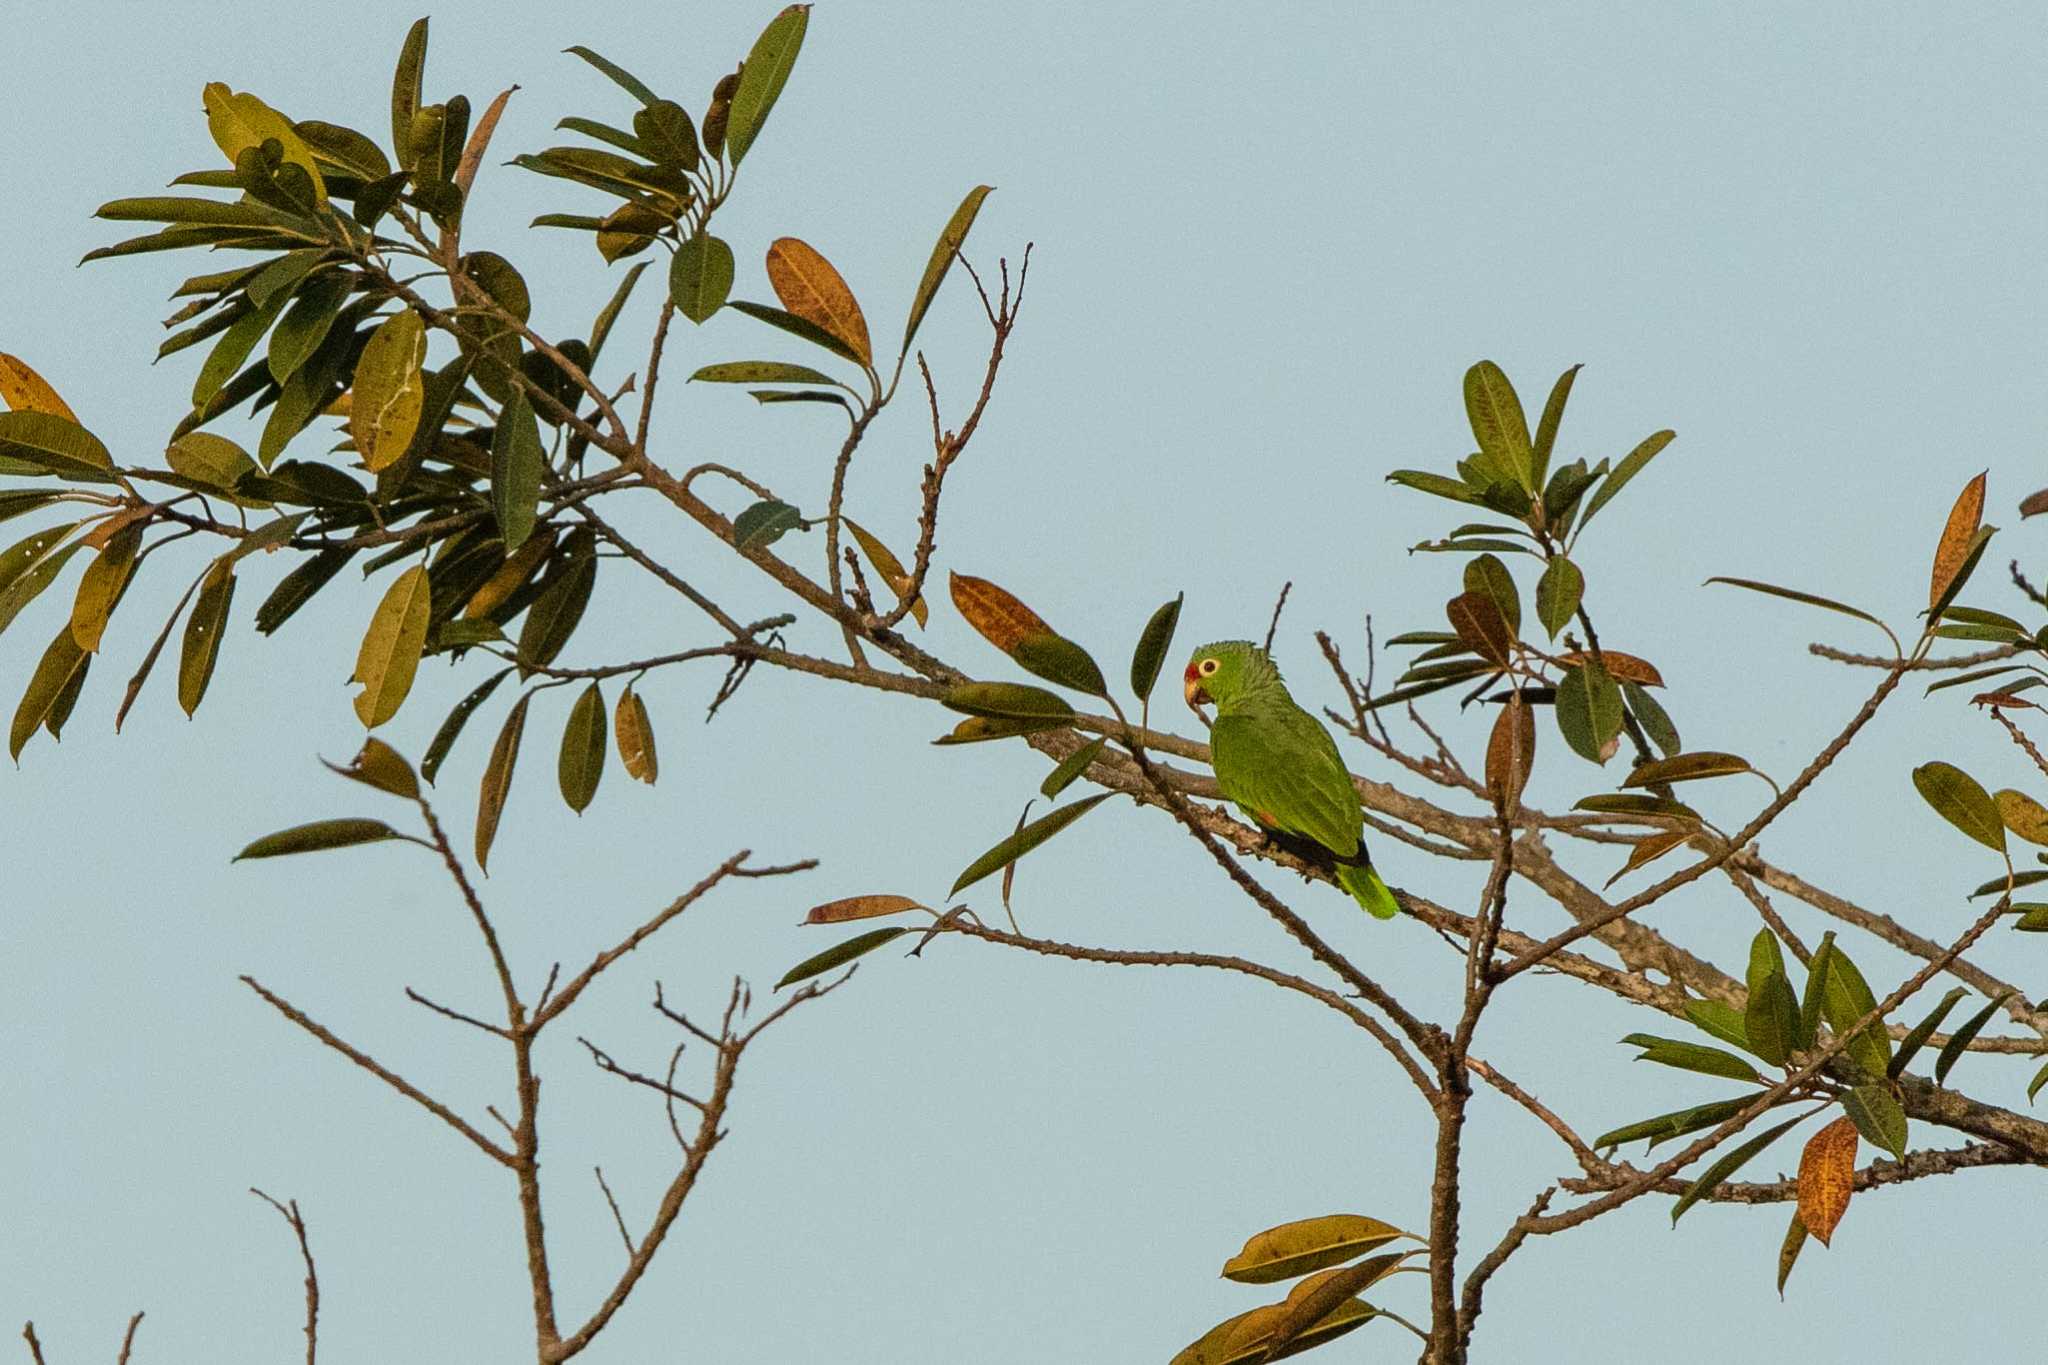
[
  {"x": 128, "y": 1340},
  {"x": 617, "y": 1217},
  {"x": 1279, "y": 605},
  {"x": 290, "y": 1214}
]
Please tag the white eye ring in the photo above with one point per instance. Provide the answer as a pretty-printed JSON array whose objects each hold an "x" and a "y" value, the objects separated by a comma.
[{"x": 1207, "y": 668}]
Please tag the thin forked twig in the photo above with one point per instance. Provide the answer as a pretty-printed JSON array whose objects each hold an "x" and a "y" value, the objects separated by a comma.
[{"x": 290, "y": 1213}]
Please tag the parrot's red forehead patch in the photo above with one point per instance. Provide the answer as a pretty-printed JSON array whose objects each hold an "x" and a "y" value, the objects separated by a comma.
[{"x": 1191, "y": 672}]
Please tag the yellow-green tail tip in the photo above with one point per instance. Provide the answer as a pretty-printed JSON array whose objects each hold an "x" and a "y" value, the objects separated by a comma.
[{"x": 1368, "y": 890}]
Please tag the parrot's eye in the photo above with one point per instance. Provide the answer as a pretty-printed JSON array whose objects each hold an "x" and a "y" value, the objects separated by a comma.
[{"x": 1207, "y": 668}]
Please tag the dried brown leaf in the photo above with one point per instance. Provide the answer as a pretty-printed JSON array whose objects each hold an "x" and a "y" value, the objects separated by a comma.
[
  {"x": 810, "y": 288},
  {"x": 1480, "y": 625},
  {"x": 859, "y": 907},
  {"x": 1001, "y": 619},
  {"x": 1827, "y": 1171},
  {"x": 1622, "y": 667},
  {"x": 1510, "y": 753}
]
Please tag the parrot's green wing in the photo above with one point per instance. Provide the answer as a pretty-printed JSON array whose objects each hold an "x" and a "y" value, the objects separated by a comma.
[{"x": 1278, "y": 763}]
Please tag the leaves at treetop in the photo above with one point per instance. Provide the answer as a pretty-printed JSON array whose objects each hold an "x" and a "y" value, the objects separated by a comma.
[
  {"x": 23, "y": 390},
  {"x": 859, "y": 907},
  {"x": 405, "y": 89},
  {"x": 1307, "y": 1313},
  {"x": 240, "y": 121},
  {"x": 811, "y": 289},
  {"x": 581, "y": 762},
  {"x": 1248, "y": 1338},
  {"x": 951, "y": 239},
  {"x": 700, "y": 276},
  {"x": 1553, "y": 416},
  {"x": 1558, "y": 593},
  {"x": 1686, "y": 768},
  {"x": 1026, "y": 839},
  {"x": 203, "y": 631},
  {"x": 1499, "y": 425},
  {"x": 840, "y": 954},
  {"x": 1510, "y": 754},
  {"x": 762, "y": 77},
  {"x": 1630, "y": 466},
  {"x": 317, "y": 836},
  {"x": 1957, "y": 536},
  {"x": 1480, "y": 625},
  {"x": 390, "y": 652},
  {"x": 623, "y": 78},
  {"x": 1958, "y": 799},
  {"x": 1293, "y": 1249},
  {"x": 1827, "y": 1172},
  {"x": 634, "y": 734}
]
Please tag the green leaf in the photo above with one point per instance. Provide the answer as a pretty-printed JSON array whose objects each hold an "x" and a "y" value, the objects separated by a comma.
[
  {"x": 101, "y": 586},
  {"x": 1959, "y": 1041},
  {"x": 346, "y": 150},
  {"x": 1788, "y": 1251},
  {"x": 1489, "y": 578},
  {"x": 1917, "y": 1036},
  {"x": 1677, "y": 1123},
  {"x": 1709, "y": 1061},
  {"x": 379, "y": 765},
  {"x": 766, "y": 70},
  {"x": 390, "y": 391},
  {"x": 319, "y": 835},
  {"x": 60, "y": 446},
  {"x": 1558, "y": 593},
  {"x": 1630, "y": 466},
  {"x": 839, "y": 954},
  {"x": 61, "y": 670},
  {"x": 390, "y": 652},
  {"x": 1848, "y": 998},
  {"x": 2034, "y": 1086},
  {"x": 1727, "y": 1166},
  {"x": 1650, "y": 714},
  {"x": 497, "y": 779},
  {"x": 1002, "y": 700},
  {"x": 405, "y": 89},
  {"x": 1588, "y": 710},
  {"x": 700, "y": 276},
  {"x": 1633, "y": 803},
  {"x": 1958, "y": 799},
  {"x": 31, "y": 565},
  {"x": 797, "y": 327},
  {"x": 517, "y": 461},
  {"x": 203, "y": 630},
  {"x": 296, "y": 587},
  {"x": 444, "y": 738},
  {"x": 1153, "y": 642},
  {"x": 623, "y": 78},
  {"x": 609, "y": 314},
  {"x": 1795, "y": 595},
  {"x": 1811, "y": 998},
  {"x": 950, "y": 241},
  {"x": 1876, "y": 1113},
  {"x": 1553, "y": 415},
  {"x": 1996, "y": 886},
  {"x": 581, "y": 763},
  {"x": 1071, "y": 767},
  {"x": 1722, "y": 1020},
  {"x": 981, "y": 729},
  {"x": 1686, "y": 768},
  {"x": 306, "y": 323},
  {"x": 1026, "y": 839},
  {"x": 664, "y": 128},
  {"x": 209, "y": 459},
  {"x": 559, "y": 605},
  {"x": 761, "y": 372},
  {"x": 1059, "y": 660},
  {"x": 1498, "y": 424},
  {"x": 1440, "y": 485},
  {"x": 1771, "y": 1022},
  {"x": 764, "y": 523}
]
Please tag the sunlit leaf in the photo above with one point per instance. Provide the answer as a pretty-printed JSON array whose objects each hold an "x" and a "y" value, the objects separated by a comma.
[
  {"x": 1297, "y": 1248},
  {"x": 1625, "y": 668},
  {"x": 240, "y": 121},
  {"x": 390, "y": 390},
  {"x": 811, "y": 289},
  {"x": 390, "y": 652},
  {"x": 2023, "y": 815},
  {"x": 1439, "y": 484},
  {"x": 1007, "y": 701},
  {"x": 1631, "y": 465},
  {"x": 1553, "y": 415},
  {"x": 383, "y": 767},
  {"x": 762, "y": 77},
  {"x": 23, "y": 390},
  {"x": 859, "y": 907},
  {"x": 1846, "y": 998},
  {"x": 634, "y": 734},
  {"x": 887, "y": 565},
  {"x": 1956, "y": 541},
  {"x": 54, "y": 443},
  {"x": 1498, "y": 423},
  {"x": 101, "y": 586},
  {"x": 623, "y": 78},
  {"x": 951, "y": 239},
  {"x": 61, "y": 668},
  {"x": 1788, "y": 1252},
  {"x": 1722, "y": 1020},
  {"x": 1686, "y": 768},
  {"x": 760, "y": 372},
  {"x": 981, "y": 729}
]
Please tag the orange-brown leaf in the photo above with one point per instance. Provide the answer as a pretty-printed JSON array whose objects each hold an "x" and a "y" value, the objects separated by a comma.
[
  {"x": 810, "y": 288},
  {"x": 1648, "y": 849},
  {"x": 27, "y": 391},
  {"x": 1510, "y": 753},
  {"x": 1480, "y": 625},
  {"x": 859, "y": 907},
  {"x": 1949, "y": 554},
  {"x": 1827, "y": 1171},
  {"x": 1621, "y": 667},
  {"x": 1002, "y": 620},
  {"x": 1996, "y": 699}
]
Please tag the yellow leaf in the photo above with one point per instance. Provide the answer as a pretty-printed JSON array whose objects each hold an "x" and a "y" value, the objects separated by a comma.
[
  {"x": 1648, "y": 849},
  {"x": 389, "y": 391},
  {"x": 1291, "y": 1249},
  {"x": 27, "y": 391},
  {"x": 1827, "y": 1172},
  {"x": 859, "y": 907},
  {"x": 810, "y": 288},
  {"x": 2023, "y": 815},
  {"x": 890, "y": 568},
  {"x": 634, "y": 733},
  {"x": 390, "y": 652},
  {"x": 239, "y": 121}
]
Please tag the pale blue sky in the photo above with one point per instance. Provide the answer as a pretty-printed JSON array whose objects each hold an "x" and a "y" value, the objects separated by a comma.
[{"x": 1269, "y": 241}]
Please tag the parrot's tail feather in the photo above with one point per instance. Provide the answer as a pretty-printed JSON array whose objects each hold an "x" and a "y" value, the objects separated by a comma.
[{"x": 1368, "y": 890}]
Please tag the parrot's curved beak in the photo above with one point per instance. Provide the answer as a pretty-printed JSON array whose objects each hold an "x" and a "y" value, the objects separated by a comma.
[{"x": 1191, "y": 691}]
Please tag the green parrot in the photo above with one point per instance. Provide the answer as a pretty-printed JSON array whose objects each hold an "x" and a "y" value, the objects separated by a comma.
[{"x": 1280, "y": 766}]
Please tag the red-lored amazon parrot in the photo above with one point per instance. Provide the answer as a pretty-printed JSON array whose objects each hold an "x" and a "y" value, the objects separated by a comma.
[{"x": 1280, "y": 766}]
